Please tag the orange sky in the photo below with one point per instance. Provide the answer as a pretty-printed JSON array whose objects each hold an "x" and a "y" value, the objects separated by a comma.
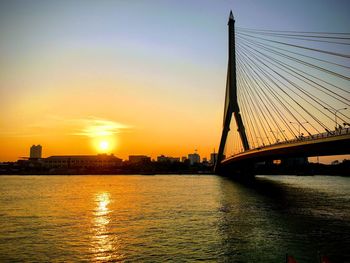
[
  {"x": 143, "y": 115},
  {"x": 59, "y": 78},
  {"x": 139, "y": 121}
]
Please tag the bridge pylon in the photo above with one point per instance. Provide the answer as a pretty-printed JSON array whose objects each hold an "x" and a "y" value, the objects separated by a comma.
[{"x": 231, "y": 102}]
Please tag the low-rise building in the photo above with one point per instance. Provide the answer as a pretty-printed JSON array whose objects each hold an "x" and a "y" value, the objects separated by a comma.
[
  {"x": 82, "y": 161},
  {"x": 168, "y": 159},
  {"x": 133, "y": 159}
]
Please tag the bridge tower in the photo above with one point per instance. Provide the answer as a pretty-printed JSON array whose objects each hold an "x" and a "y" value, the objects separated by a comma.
[{"x": 231, "y": 102}]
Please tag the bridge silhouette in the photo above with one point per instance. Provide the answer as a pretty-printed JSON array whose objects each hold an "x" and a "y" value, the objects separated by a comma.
[{"x": 287, "y": 96}]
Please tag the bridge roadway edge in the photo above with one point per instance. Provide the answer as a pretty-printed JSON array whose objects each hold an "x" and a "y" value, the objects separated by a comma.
[{"x": 243, "y": 164}]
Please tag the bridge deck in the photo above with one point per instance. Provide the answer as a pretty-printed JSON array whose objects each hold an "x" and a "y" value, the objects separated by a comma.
[{"x": 316, "y": 145}]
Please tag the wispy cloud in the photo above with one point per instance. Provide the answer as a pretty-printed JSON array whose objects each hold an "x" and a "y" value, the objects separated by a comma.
[
  {"x": 95, "y": 127},
  {"x": 56, "y": 125}
]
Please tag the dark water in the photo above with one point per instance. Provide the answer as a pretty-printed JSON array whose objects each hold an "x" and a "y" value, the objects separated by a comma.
[{"x": 173, "y": 218}]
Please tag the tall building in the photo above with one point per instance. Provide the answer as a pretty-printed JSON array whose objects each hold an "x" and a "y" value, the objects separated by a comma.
[
  {"x": 213, "y": 158},
  {"x": 35, "y": 152},
  {"x": 194, "y": 158}
]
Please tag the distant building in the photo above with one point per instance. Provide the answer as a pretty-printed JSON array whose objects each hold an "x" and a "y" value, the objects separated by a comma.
[
  {"x": 35, "y": 152},
  {"x": 82, "y": 161},
  {"x": 162, "y": 158},
  {"x": 194, "y": 158},
  {"x": 213, "y": 158},
  {"x": 295, "y": 161},
  {"x": 183, "y": 159},
  {"x": 335, "y": 162},
  {"x": 168, "y": 159},
  {"x": 139, "y": 159},
  {"x": 204, "y": 160}
]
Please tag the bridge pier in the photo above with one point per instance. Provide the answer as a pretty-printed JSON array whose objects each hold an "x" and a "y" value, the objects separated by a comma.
[{"x": 241, "y": 172}]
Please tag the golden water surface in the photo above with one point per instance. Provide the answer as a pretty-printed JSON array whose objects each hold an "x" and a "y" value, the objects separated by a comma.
[{"x": 173, "y": 218}]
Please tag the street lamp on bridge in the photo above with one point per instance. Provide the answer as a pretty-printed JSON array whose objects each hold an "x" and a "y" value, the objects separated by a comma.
[
  {"x": 299, "y": 125},
  {"x": 335, "y": 111}
]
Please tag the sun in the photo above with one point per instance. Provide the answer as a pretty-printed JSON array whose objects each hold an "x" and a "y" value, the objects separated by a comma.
[{"x": 104, "y": 145}]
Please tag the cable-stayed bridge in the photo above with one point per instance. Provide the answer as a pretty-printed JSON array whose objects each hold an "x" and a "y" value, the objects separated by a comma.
[{"x": 287, "y": 96}]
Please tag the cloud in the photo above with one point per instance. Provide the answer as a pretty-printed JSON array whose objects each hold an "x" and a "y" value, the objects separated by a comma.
[
  {"x": 94, "y": 127},
  {"x": 57, "y": 125}
]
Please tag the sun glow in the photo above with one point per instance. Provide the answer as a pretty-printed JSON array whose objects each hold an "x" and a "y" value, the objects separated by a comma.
[
  {"x": 103, "y": 133},
  {"x": 104, "y": 145}
]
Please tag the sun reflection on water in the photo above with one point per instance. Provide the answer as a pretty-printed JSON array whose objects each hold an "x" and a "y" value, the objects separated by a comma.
[
  {"x": 105, "y": 243},
  {"x": 102, "y": 200}
]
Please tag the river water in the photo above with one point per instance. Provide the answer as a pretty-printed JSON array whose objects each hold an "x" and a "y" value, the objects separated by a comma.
[{"x": 173, "y": 218}]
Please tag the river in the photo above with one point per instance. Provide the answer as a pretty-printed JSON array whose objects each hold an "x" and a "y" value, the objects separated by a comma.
[{"x": 173, "y": 218}]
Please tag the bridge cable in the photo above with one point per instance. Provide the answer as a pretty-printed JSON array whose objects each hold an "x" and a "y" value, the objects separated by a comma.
[
  {"x": 312, "y": 97},
  {"x": 263, "y": 46},
  {"x": 248, "y": 117},
  {"x": 257, "y": 102},
  {"x": 254, "y": 111},
  {"x": 300, "y": 89},
  {"x": 254, "y": 84},
  {"x": 314, "y": 66},
  {"x": 297, "y": 46},
  {"x": 296, "y": 32},
  {"x": 299, "y": 54},
  {"x": 269, "y": 75},
  {"x": 278, "y": 112},
  {"x": 290, "y": 68},
  {"x": 269, "y": 101},
  {"x": 287, "y": 110},
  {"x": 292, "y": 83},
  {"x": 298, "y": 37},
  {"x": 273, "y": 93}
]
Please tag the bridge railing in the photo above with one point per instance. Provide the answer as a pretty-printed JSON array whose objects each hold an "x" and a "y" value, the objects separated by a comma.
[{"x": 336, "y": 132}]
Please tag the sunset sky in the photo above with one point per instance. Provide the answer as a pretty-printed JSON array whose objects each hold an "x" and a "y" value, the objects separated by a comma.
[{"x": 147, "y": 77}]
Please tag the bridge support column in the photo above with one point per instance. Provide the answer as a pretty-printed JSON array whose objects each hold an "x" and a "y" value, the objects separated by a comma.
[{"x": 231, "y": 102}]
